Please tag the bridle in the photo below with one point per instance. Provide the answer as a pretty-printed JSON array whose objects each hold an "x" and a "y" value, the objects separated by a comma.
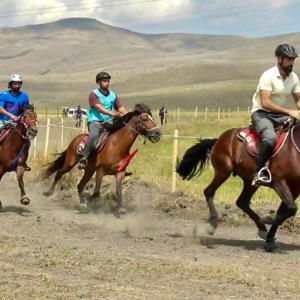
[
  {"x": 30, "y": 132},
  {"x": 140, "y": 127}
]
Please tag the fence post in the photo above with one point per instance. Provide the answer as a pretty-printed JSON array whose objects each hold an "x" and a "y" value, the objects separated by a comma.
[
  {"x": 219, "y": 113},
  {"x": 196, "y": 111},
  {"x": 62, "y": 134},
  {"x": 83, "y": 125},
  {"x": 34, "y": 147},
  {"x": 178, "y": 110},
  {"x": 175, "y": 151},
  {"x": 47, "y": 138},
  {"x": 248, "y": 110},
  {"x": 238, "y": 111},
  {"x": 206, "y": 111}
]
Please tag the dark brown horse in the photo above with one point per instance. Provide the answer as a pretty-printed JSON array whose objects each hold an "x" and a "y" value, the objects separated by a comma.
[
  {"x": 228, "y": 156},
  {"x": 12, "y": 154},
  {"x": 123, "y": 133}
]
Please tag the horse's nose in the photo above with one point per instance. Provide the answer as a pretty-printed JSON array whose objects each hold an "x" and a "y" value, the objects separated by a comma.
[{"x": 155, "y": 136}]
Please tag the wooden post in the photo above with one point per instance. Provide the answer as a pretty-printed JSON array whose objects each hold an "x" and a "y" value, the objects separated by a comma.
[
  {"x": 206, "y": 111},
  {"x": 178, "y": 110},
  {"x": 219, "y": 113},
  {"x": 248, "y": 110},
  {"x": 47, "y": 139},
  {"x": 223, "y": 113},
  {"x": 62, "y": 134},
  {"x": 196, "y": 111},
  {"x": 238, "y": 111},
  {"x": 34, "y": 147},
  {"x": 46, "y": 113},
  {"x": 83, "y": 125},
  {"x": 175, "y": 151}
]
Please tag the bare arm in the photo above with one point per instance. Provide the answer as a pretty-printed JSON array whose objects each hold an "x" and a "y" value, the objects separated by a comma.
[
  {"x": 296, "y": 97},
  {"x": 268, "y": 104},
  {"x": 10, "y": 115}
]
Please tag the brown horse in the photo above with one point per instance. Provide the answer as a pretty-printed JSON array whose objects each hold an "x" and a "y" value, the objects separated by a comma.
[
  {"x": 12, "y": 154},
  {"x": 229, "y": 156},
  {"x": 123, "y": 133}
]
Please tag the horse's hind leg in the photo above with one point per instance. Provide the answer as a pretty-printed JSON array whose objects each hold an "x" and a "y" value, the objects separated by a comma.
[
  {"x": 98, "y": 182},
  {"x": 243, "y": 202},
  {"x": 287, "y": 209},
  {"x": 219, "y": 178}
]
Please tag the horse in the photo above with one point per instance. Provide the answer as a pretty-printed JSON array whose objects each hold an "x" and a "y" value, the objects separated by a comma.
[
  {"x": 228, "y": 156},
  {"x": 12, "y": 154},
  {"x": 113, "y": 157}
]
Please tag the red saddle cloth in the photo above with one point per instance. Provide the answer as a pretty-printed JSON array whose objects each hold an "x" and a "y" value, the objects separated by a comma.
[
  {"x": 101, "y": 142},
  {"x": 4, "y": 133},
  {"x": 251, "y": 138}
]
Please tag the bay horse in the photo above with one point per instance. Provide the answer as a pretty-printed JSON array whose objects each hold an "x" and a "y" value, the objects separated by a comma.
[
  {"x": 12, "y": 154},
  {"x": 115, "y": 152},
  {"x": 229, "y": 156}
]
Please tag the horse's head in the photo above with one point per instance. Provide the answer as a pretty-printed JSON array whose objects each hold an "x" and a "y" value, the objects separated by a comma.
[
  {"x": 28, "y": 120},
  {"x": 145, "y": 123}
]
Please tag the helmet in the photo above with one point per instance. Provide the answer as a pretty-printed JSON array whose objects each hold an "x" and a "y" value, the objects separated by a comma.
[
  {"x": 286, "y": 50},
  {"x": 16, "y": 78},
  {"x": 102, "y": 75}
]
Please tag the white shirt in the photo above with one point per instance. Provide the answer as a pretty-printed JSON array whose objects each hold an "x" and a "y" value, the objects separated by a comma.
[{"x": 272, "y": 81}]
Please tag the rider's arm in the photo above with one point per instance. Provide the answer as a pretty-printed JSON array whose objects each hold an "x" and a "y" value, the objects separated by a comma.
[
  {"x": 296, "y": 97},
  {"x": 119, "y": 107},
  {"x": 10, "y": 115}
]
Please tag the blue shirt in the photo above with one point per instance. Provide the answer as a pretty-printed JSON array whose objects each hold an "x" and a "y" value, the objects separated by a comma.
[
  {"x": 107, "y": 102},
  {"x": 13, "y": 103}
]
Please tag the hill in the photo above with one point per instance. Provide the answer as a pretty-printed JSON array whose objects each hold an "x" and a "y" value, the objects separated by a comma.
[{"x": 59, "y": 61}]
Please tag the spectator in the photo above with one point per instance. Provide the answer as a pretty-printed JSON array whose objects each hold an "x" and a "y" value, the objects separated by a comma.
[
  {"x": 162, "y": 115},
  {"x": 78, "y": 116}
]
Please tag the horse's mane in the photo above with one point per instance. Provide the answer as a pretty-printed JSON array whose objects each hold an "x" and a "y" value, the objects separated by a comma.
[{"x": 119, "y": 122}]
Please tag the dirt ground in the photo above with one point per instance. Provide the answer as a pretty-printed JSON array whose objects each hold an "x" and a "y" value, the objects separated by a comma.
[{"x": 48, "y": 251}]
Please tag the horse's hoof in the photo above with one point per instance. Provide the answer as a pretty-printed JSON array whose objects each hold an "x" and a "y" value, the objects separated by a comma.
[
  {"x": 271, "y": 246},
  {"x": 210, "y": 229},
  {"x": 122, "y": 211},
  {"x": 82, "y": 209},
  {"x": 262, "y": 234},
  {"x": 47, "y": 193},
  {"x": 267, "y": 219},
  {"x": 25, "y": 200}
]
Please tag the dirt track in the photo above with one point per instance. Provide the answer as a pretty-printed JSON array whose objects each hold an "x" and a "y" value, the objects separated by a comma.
[{"x": 50, "y": 252}]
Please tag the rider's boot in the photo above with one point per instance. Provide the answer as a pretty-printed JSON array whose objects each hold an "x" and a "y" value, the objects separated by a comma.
[
  {"x": 263, "y": 174},
  {"x": 82, "y": 163}
]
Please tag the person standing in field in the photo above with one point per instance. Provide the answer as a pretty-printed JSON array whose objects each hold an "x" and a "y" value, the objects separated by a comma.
[
  {"x": 162, "y": 115},
  {"x": 104, "y": 105},
  {"x": 268, "y": 106},
  {"x": 78, "y": 116}
]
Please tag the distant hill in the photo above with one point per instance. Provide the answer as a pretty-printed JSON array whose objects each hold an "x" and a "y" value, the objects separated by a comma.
[{"x": 59, "y": 61}]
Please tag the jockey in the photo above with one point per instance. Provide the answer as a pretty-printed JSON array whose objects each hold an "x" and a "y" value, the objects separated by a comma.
[
  {"x": 12, "y": 104},
  {"x": 268, "y": 106},
  {"x": 104, "y": 105}
]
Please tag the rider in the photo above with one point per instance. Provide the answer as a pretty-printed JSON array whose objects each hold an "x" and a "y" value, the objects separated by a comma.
[
  {"x": 12, "y": 104},
  {"x": 104, "y": 105},
  {"x": 268, "y": 110}
]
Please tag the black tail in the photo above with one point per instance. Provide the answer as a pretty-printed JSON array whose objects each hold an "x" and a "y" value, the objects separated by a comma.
[
  {"x": 55, "y": 165},
  {"x": 194, "y": 159}
]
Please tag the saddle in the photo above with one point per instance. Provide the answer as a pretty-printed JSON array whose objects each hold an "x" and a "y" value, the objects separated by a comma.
[
  {"x": 251, "y": 139},
  {"x": 4, "y": 132},
  {"x": 98, "y": 146}
]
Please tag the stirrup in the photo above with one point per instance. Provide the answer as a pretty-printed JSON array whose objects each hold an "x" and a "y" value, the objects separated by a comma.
[{"x": 263, "y": 176}]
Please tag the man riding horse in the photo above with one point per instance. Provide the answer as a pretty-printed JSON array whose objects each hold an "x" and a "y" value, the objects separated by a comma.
[
  {"x": 104, "y": 105},
  {"x": 13, "y": 102},
  {"x": 267, "y": 106}
]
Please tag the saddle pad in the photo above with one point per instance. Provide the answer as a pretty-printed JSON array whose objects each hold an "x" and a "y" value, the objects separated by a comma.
[{"x": 250, "y": 138}]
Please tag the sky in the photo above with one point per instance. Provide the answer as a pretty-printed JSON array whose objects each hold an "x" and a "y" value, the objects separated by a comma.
[{"x": 253, "y": 18}]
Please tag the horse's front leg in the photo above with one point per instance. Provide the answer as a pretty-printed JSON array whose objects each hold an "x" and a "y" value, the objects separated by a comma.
[
  {"x": 20, "y": 174},
  {"x": 98, "y": 182},
  {"x": 88, "y": 173},
  {"x": 287, "y": 209},
  {"x": 119, "y": 178}
]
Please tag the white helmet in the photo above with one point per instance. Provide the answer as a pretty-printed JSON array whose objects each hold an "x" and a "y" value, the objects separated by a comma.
[{"x": 16, "y": 78}]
